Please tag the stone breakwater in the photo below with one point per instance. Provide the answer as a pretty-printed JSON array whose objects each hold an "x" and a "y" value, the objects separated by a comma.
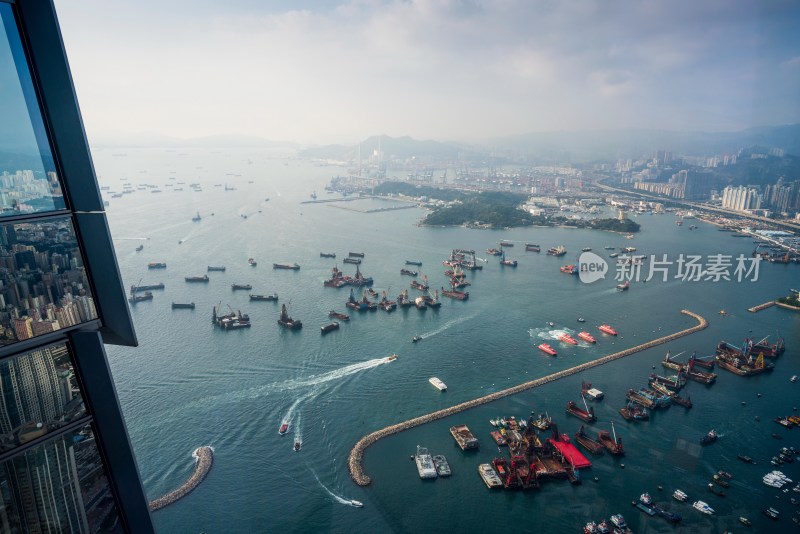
[
  {"x": 357, "y": 453},
  {"x": 204, "y": 460}
]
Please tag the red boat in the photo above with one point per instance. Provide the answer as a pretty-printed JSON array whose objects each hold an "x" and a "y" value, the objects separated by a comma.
[
  {"x": 544, "y": 347},
  {"x": 566, "y": 338},
  {"x": 586, "y": 336},
  {"x": 604, "y": 328},
  {"x": 283, "y": 429},
  {"x": 586, "y": 415}
]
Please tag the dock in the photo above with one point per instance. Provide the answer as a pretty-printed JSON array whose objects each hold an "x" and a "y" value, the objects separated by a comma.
[
  {"x": 204, "y": 459},
  {"x": 356, "y": 456},
  {"x": 760, "y": 307}
]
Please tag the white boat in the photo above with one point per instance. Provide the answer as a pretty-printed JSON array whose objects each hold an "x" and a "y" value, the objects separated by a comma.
[
  {"x": 438, "y": 384},
  {"x": 702, "y": 507},
  {"x": 424, "y": 462},
  {"x": 357, "y": 504},
  {"x": 679, "y": 496},
  {"x": 793, "y": 379},
  {"x": 489, "y": 476},
  {"x": 594, "y": 394}
]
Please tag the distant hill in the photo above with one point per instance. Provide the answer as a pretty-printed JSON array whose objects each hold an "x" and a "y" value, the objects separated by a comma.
[
  {"x": 392, "y": 148},
  {"x": 579, "y": 147}
]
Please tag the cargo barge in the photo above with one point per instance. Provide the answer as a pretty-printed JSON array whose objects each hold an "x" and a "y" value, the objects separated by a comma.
[
  {"x": 268, "y": 298},
  {"x": 330, "y": 327},
  {"x": 586, "y": 415},
  {"x": 593, "y": 446},
  {"x": 230, "y": 321},
  {"x": 219, "y": 268},
  {"x": 286, "y": 266},
  {"x": 612, "y": 444},
  {"x": 182, "y": 305},
  {"x": 203, "y": 278},
  {"x": 465, "y": 439},
  {"x": 136, "y": 289},
  {"x": 235, "y": 287},
  {"x": 157, "y": 265}
]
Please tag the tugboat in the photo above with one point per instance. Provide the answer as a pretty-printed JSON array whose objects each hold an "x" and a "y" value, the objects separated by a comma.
[
  {"x": 286, "y": 321},
  {"x": 711, "y": 437}
]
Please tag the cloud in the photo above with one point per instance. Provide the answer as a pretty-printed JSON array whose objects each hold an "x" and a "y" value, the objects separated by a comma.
[{"x": 436, "y": 68}]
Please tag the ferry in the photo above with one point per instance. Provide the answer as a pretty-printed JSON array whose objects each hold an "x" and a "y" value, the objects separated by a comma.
[
  {"x": 284, "y": 427},
  {"x": 489, "y": 476},
  {"x": 604, "y": 328},
  {"x": 424, "y": 462},
  {"x": 438, "y": 384},
  {"x": 566, "y": 338},
  {"x": 587, "y": 337},
  {"x": 703, "y": 507},
  {"x": 544, "y": 347}
]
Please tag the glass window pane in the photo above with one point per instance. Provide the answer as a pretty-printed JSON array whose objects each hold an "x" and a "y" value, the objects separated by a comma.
[
  {"x": 38, "y": 394},
  {"x": 43, "y": 281},
  {"x": 58, "y": 486},
  {"x": 28, "y": 180}
]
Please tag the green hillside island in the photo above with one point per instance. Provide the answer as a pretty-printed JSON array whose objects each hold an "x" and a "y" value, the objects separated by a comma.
[{"x": 492, "y": 209}]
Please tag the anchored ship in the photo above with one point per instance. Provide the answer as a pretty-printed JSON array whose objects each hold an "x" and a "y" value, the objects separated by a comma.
[
  {"x": 464, "y": 437},
  {"x": 203, "y": 278},
  {"x": 157, "y": 265},
  {"x": 287, "y": 322},
  {"x": 424, "y": 462},
  {"x": 271, "y": 298},
  {"x": 178, "y": 305},
  {"x": 438, "y": 384},
  {"x": 235, "y": 287},
  {"x": 286, "y": 266}
]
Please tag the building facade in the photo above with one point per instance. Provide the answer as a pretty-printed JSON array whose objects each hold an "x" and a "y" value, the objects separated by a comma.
[{"x": 66, "y": 463}]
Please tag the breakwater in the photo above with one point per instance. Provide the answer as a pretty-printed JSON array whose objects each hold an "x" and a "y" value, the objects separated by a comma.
[
  {"x": 760, "y": 307},
  {"x": 354, "y": 461},
  {"x": 204, "y": 459}
]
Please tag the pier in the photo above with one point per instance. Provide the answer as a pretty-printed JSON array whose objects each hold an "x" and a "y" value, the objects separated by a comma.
[
  {"x": 204, "y": 459},
  {"x": 354, "y": 461},
  {"x": 760, "y": 307}
]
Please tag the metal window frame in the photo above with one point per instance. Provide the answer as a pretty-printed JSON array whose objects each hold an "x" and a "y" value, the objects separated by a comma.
[{"x": 41, "y": 36}]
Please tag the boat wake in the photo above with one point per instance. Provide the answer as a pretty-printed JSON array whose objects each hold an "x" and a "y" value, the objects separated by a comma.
[
  {"x": 333, "y": 496},
  {"x": 447, "y": 325}
]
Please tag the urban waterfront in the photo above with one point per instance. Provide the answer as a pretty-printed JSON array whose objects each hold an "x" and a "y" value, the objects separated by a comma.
[{"x": 231, "y": 390}]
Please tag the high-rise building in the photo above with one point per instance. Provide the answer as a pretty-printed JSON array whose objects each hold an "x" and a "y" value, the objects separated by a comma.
[
  {"x": 66, "y": 463},
  {"x": 741, "y": 198}
]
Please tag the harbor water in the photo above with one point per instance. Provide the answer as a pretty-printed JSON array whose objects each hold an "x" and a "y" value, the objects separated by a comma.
[{"x": 190, "y": 384}]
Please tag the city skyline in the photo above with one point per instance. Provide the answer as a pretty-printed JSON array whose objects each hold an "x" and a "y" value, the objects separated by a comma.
[{"x": 447, "y": 70}]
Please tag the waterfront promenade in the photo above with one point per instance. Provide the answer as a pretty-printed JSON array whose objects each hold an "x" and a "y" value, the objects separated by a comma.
[
  {"x": 357, "y": 453},
  {"x": 204, "y": 459}
]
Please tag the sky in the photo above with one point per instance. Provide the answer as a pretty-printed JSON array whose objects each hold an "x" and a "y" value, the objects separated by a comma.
[{"x": 457, "y": 70}]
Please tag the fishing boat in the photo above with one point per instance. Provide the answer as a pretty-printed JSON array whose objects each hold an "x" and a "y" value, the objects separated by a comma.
[
  {"x": 566, "y": 338},
  {"x": 544, "y": 347},
  {"x": 606, "y": 329},
  {"x": 634, "y": 412},
  {"x": 587, "y": 337},
  {"x": 710, "y": 437}
]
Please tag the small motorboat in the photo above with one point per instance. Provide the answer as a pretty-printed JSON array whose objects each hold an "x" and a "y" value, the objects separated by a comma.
[
  {"x": 746, "y": 522},
  {"x": 297, "y": 445},
  {"x": 551, "y": 324},
  {"x": 416, "y": 338},
  {"x": 357, "y": 504},
  {"x": 283, "y": 429},
  {"x": 581, "y": 320}
]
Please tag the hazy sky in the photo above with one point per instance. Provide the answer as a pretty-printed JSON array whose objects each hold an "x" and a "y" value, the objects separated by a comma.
[{"x": 339, "y": 71}]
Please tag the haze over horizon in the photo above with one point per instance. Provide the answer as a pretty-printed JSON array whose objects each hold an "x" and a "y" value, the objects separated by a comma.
[{"x": 449, "y": 70}]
